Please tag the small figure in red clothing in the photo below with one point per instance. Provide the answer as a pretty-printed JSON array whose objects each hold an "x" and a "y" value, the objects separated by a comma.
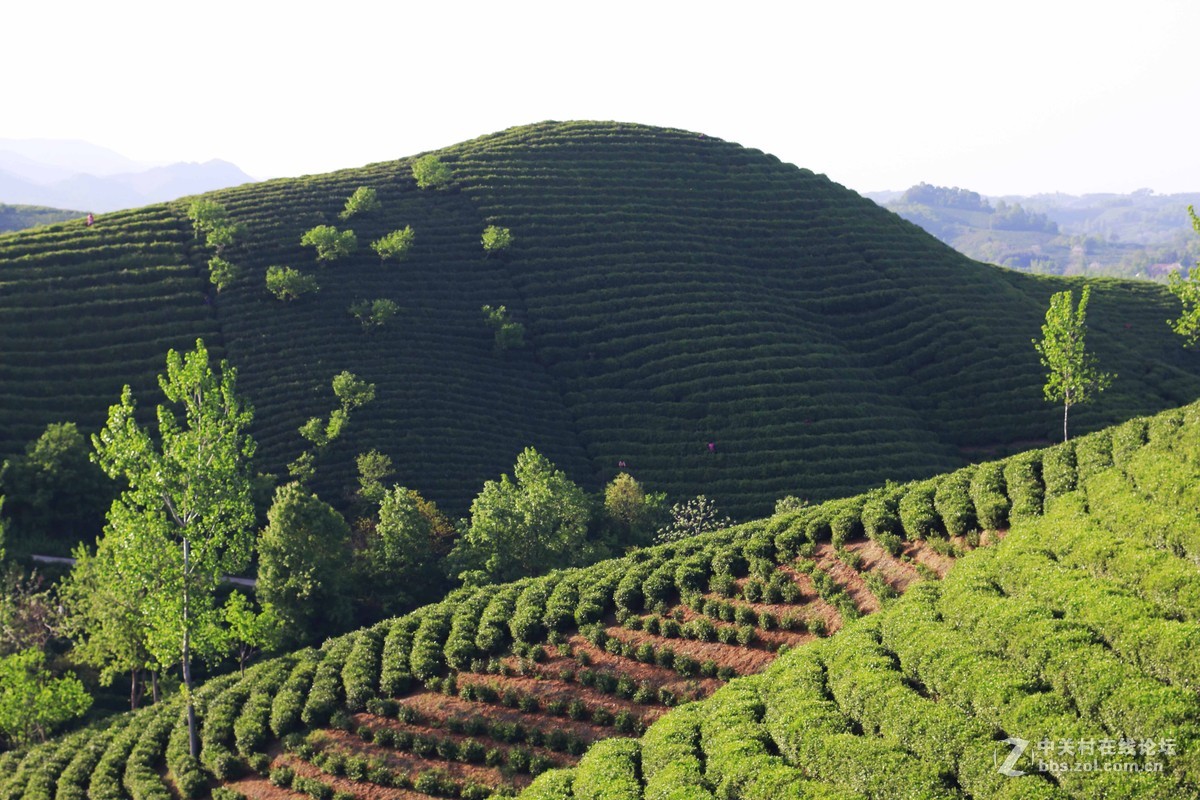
[
  {"x": 712, "y": 447},
  {"x": 90, "y": 220},
  {"x": 621, "y": 465}
]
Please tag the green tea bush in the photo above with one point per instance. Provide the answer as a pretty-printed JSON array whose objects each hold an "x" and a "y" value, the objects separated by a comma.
[
  {"x": 1058, "y": 470},
  {"x": 1023, "y": 479},
  {"x": 990, "y": 495},
  {"x": 526, "y": 624},
  {"x": 918, "y": 515},
  {"x": 360, "y": 675},
  {"x": 953, "y": 502}
]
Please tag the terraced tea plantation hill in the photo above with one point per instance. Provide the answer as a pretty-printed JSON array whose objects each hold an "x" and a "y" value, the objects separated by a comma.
[
  {"x": 1073, "y": 631},
  {"x": 677, "y": 291}
]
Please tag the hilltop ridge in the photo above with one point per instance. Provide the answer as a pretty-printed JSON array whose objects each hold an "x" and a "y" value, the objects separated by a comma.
[{"x": 676, "y": 290}]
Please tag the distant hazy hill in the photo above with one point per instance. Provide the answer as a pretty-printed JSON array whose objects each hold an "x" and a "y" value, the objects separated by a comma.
[
  {"x": 15, "y": 218},
  {"x": 1141, "y": 235},
  {"x": 71, "y": 174},
  {"x": 676, "y": 290}
]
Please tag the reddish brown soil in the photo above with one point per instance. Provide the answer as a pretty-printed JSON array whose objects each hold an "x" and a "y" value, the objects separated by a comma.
[
  {"x": 542, "y": 679},
  {"x": 895, "y": 572},
  {"x": 414, "y": 764},
  {"x": 440, "y": 707},
  {"x": 847, "y": 578},
  {"x": 553, "y": 689},
  {"x": 256, "y": 788},
  {"x": 376, "y": 723}
]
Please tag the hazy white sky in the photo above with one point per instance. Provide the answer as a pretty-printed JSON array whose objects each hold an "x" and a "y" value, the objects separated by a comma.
[{"x": 998, "y": 97}]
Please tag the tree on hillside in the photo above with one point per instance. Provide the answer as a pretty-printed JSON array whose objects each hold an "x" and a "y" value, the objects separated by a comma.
[
  {"x": 696, "y": 516},
  {"x": 395, "y": 245},
  {"x": 302, "y": 557},
  {"x": 222, "y": 273},
  {"x": 330, "y": 243},
  {"x": 430, "y": 172},
  {"x": 509, "y": 335},
  {"x": 289, "y": 284},
  {"x": 397, "y": 559},
  {"x": 54, "y": 490},
  {"x": 1188, "y": 291},
  {"x": 363, "y": 200},
  {"x": 632, "y": 515},
  {"x": 248, "y": 630},
  {"x": 1072, "y": 376},
  {"x": 186, "y": 517},
  {"x": 105, "y": 617},
  {"x": 32, "y": 701},
  {"x": 374, "y": 314},
  {"x": 496, "y": 239},
  {"x": 207, "y": 215},
  {"x": 352, "y": 393},
  {"x": 526, "y": 525}
]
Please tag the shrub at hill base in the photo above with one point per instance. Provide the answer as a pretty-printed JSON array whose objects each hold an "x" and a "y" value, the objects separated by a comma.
[
  {"x": 526, "y": 525},
  {"x": 301, "y": 573}
]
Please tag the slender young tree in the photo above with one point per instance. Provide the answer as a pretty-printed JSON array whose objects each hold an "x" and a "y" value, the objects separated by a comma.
[
  {"x": 1072, "y": 376},
  {"x": 186, "y": 517},
  {"x": 1188, "y": 291}
]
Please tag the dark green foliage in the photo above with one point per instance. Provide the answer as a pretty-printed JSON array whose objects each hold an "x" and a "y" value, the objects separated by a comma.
[
  {"x": 360, "y": 675},
  {"x": 428, "y": 657}
]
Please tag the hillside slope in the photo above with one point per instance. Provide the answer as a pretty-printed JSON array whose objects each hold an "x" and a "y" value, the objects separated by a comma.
[
  {"x": 1076, "y": 625},
  {"x": 677, "y": 291}
]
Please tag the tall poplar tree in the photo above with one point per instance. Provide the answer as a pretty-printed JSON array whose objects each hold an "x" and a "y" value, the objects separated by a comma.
[
  {"x": 186, "y": 517},
  {"x": 1072, "y": 376}
]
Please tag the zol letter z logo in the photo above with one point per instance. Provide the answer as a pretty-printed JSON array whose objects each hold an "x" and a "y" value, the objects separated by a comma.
[{"x": 1018, "y": 747}]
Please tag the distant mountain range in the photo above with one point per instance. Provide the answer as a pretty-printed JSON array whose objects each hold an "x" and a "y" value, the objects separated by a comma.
[
  {"x": 1137, "y": 235},
  {"x": 80, "y": 175}
]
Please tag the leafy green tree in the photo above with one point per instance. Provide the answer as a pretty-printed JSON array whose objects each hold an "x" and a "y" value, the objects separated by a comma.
[
  {"x": 106, "y": 616},
  {"x": 526, "y": 525},
  {"x": 207, "y": 215},
  {"x": 330, "y": 243},
  {"x": 374, "y": 314},
  {"x": 289, "y": 284},
  {"x": 395, "y": 245},
  {"x": 186, "y": 516},
  {"x": 1072, "y": 376},
  {"x": 696, "y": 516},
  {"x": 302, "y": 557},
  {"x": 509, "y": 335},
  {"x": 397, "y": 559},
  {"x": 32, "y": 701},
  {"x": 223, "y": 236},
  {"x": 221, "y": 272},
  {"x": 374, "y": 468},
  {"x": 364, "y": 200},
  {"x": 352, "y": 393},
  {"x": 56, "y": 495},
  {"x": 496, "y": 239},
  {"x": 30, "y": 614},
  {"x": 249, "y": 631},
  {"x": 431, "y": 172},
  {"x": 632, "y": 514},
  {"x": 1188, "y": 291}
]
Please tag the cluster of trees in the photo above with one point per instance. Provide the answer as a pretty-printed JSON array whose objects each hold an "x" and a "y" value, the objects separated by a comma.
[{"x": 150, "y": 598}]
